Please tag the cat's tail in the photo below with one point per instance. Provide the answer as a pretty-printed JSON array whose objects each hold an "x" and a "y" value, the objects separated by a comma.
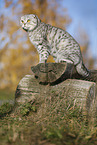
[{"x": 82, "y": 70}]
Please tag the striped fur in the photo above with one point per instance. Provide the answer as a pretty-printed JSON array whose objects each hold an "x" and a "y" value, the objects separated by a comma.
[{"x": 53, "y": 41}]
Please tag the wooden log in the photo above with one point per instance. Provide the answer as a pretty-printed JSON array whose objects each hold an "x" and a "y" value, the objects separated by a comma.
[
  {"x": 54, "y": 73},
  {"x": 79, "y": 92}
]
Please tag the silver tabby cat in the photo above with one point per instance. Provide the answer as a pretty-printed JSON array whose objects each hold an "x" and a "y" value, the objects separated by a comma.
[{"x": 50, "y": 40}]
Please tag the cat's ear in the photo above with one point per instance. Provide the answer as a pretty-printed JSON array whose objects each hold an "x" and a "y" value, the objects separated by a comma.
[{"x": 38, "y": 20}]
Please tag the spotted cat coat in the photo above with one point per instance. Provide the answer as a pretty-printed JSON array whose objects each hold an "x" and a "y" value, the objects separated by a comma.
[{"x": 50, "y": 40}]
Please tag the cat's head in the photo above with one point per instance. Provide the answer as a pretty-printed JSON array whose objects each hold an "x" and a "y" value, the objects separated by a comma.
[{"x": 29, "y": 22}]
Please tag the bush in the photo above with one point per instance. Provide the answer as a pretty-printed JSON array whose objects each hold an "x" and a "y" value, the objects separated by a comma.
[
  {"x": 26, "y": 108},
  {"x": 5, "y": 109}
]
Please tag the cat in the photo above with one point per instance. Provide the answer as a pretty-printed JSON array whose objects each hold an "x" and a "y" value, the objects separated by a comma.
[{"x": 50, "y": 40}]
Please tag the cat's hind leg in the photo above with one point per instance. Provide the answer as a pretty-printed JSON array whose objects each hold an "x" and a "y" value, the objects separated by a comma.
[
  {"x": 82, "y": 70},
  {"x": 66, "y": 60}
]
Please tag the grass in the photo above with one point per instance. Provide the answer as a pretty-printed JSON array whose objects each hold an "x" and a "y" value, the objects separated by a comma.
[
  {"x": 47, "y": 121},
  {"x": 6, "y": 94}
]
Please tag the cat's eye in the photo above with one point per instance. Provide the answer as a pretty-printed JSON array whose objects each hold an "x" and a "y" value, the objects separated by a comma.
[
  {"x": 28, "y": 20},
  {"x": 22, "y": 21}
]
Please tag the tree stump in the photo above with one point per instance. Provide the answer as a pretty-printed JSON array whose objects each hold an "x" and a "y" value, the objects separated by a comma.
[{"x": 48, "y": 80}]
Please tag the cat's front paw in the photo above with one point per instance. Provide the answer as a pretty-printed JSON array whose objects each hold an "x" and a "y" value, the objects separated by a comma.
[{"x": 43, "y": 61}]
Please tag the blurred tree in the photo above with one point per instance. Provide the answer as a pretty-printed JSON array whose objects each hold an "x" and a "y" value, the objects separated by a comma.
[
  {"x": 17, "y": 54},
  {"x": 83, "y": 40}
]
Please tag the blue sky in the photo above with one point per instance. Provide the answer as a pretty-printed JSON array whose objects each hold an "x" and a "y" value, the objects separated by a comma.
[{"x": 83, "y": 13}]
